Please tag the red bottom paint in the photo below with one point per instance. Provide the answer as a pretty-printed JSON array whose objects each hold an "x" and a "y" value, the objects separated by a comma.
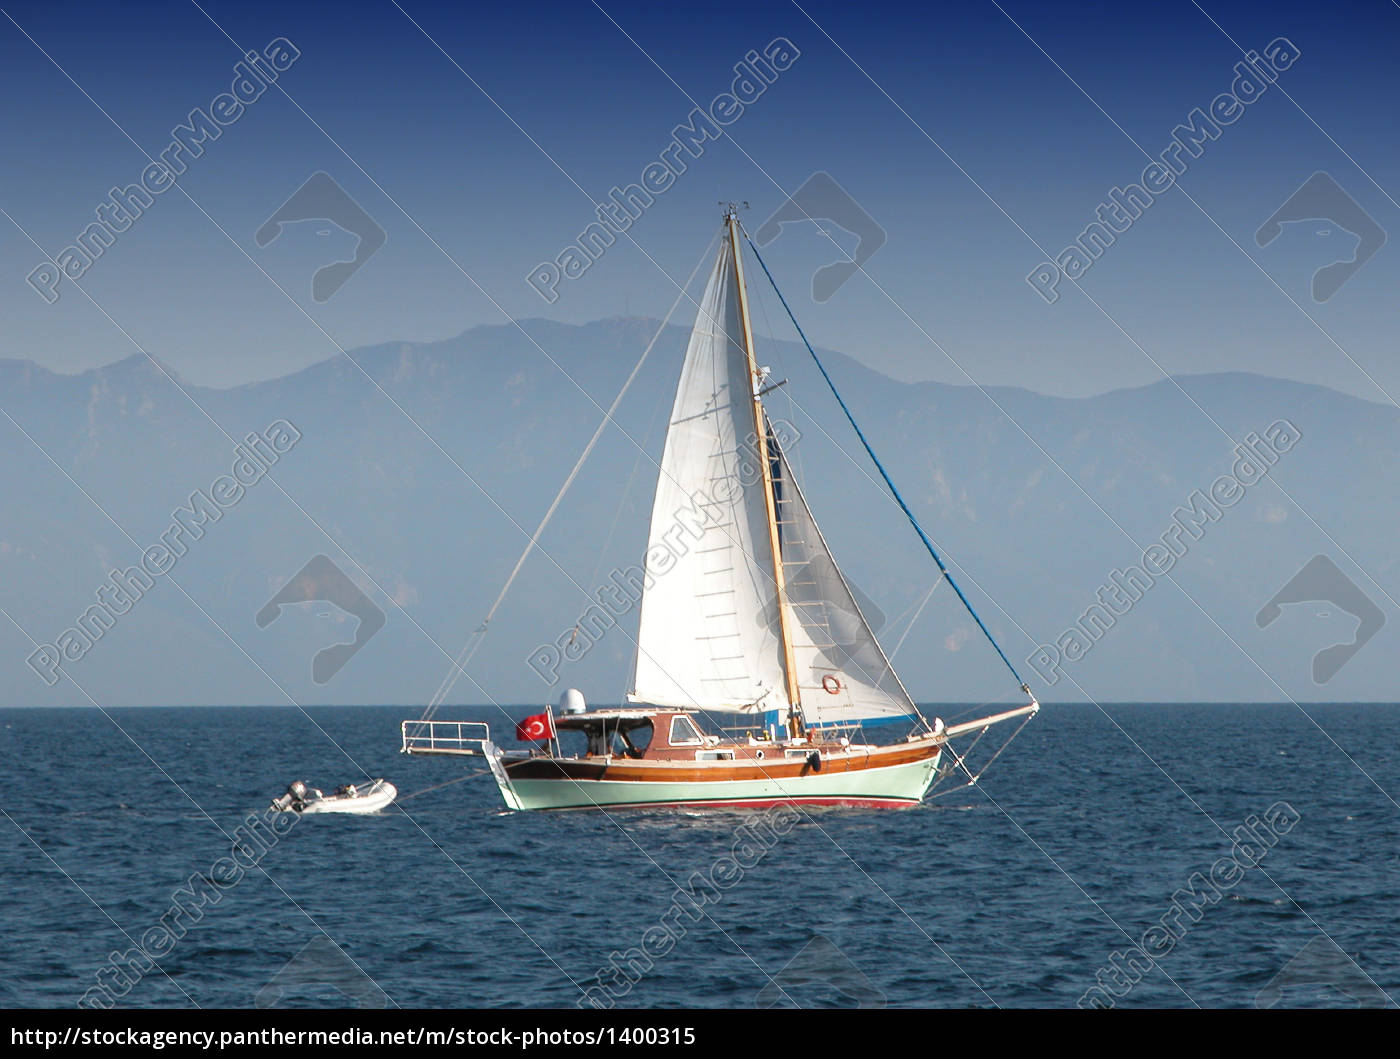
[{"x": 762, "y": 803}]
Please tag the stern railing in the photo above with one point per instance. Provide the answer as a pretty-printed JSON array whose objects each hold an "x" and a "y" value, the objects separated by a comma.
[{"x": 445, "y": 737}]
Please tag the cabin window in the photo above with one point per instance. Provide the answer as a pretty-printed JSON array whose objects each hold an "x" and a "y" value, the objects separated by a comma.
[
  {"x": 625, "y": 737},
  {"x": 683, "y": 732},
  {"x": 714, "y": 755},
  {"x": 631, "y": 738},
  {"x": 639, "y": 732}
]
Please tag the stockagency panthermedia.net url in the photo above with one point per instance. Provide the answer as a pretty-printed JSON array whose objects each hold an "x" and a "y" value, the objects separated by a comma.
[{"x": 209, "y": 1040}]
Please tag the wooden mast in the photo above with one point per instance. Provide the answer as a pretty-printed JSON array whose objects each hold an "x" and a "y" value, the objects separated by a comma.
[{"x": 795, "y": 726}]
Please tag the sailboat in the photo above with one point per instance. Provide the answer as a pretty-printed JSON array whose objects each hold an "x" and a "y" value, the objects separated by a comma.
[{"x": 744, "y": 612}]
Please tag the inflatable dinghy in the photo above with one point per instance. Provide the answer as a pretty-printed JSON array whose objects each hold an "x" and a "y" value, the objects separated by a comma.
[{"x": 351, "y": 798}]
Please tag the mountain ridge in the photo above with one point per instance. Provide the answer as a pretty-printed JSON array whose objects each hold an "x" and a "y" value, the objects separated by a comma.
[
  {"x": 646, "y": 327},
  {"x": 434, "y": 494}
]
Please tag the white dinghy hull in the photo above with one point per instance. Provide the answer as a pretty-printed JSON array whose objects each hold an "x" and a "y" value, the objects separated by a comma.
[{"x": 352, "y": 799}]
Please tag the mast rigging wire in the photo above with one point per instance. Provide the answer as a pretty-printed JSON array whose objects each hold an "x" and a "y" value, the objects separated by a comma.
[
  {"x": 474, "y": 641},
  {"x": 883, "y": 473}
]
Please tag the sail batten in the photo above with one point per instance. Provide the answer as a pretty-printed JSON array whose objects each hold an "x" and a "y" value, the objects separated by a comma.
[{"x": 707, "y": 636}]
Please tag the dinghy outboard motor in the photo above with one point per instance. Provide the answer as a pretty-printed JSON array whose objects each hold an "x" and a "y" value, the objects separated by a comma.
[{"x": 298, "y": 794}]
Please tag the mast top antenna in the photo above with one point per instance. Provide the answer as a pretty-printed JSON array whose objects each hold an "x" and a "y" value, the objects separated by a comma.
[{"x": 731, "y": 209}]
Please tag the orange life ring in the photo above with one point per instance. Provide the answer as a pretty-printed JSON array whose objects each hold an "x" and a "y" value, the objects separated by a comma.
[{"x": 830, "y": 684}]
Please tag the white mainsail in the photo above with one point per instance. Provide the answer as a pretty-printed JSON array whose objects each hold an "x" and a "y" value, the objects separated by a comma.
[
  {"x": 843, "y": 675},
  {"x": 710, "y": 634},
  {"x": 707, "y": 635}
]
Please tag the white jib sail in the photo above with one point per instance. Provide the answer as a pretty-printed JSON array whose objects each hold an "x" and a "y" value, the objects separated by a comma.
[
  {"x": 843, "y": 675},
  {"x": 707, "y": 635}
]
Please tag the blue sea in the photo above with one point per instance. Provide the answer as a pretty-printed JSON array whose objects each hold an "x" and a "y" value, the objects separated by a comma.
[{"x": 1084, "y": 836}]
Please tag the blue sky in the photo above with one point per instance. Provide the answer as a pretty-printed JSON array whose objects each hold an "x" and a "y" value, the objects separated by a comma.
[{"x": 952, "y": 127}]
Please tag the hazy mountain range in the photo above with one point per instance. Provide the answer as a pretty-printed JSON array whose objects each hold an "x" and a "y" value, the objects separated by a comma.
[{"x": 390, "y": 485}]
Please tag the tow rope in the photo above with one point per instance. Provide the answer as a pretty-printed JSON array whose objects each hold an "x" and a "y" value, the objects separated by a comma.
[{"x": 440, "y": 786}]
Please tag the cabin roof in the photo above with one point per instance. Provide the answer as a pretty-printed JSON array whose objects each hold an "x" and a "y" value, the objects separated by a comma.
[{"x": 583, "y": 720}]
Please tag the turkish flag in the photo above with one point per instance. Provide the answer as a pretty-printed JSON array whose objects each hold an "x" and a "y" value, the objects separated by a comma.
[{"x": 533, "y": 729}]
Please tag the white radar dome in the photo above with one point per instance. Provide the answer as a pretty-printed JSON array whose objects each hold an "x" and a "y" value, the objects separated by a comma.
[{"x": 572, "y": 702}]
